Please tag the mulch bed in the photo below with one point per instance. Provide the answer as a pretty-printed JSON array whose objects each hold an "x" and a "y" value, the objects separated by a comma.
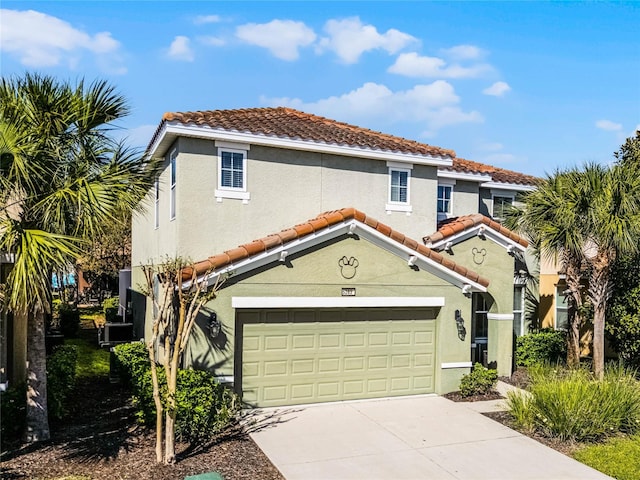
[
  {"x": 561, "y": 446},
  {"x": 101, "y": 440},
  {"x": 457, "y": 397},
  {"x": 519, "y": 378}
]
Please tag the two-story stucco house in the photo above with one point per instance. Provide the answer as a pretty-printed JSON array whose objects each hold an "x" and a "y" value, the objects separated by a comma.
[{"x": 362, "y": 264}]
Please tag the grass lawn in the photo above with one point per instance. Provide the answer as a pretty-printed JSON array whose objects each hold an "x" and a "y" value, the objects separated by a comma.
[
  {"x": 92, "y": 361},
  {"x": 618, "y": 457}
]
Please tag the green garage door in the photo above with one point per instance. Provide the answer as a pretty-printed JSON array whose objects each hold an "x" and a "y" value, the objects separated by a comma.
[{"x": 293, "y": 357}]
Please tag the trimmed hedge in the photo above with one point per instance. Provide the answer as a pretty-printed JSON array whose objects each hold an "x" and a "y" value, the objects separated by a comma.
[
  {"x": 13, "y": 407},
  {"x": 110, "y": 307},
  {"x": 204, "y": 406},
  {"x": 69, "y": 319},
  {"x": 545, "y": 346},
  {"x": 61, "y": 378}
]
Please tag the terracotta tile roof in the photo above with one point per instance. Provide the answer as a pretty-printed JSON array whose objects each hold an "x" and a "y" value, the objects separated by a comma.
[
  {"x": 497, "y": 174},
  {"x": 320, "y": 222},
  {"x": 460, "y": 224},
  {"x": 292, "y": 124}
]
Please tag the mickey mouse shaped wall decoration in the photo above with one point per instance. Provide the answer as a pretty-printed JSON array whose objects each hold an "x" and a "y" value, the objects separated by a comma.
[
  {"x": 348, "y": 267},
  {"x": 478, "y": 255}
]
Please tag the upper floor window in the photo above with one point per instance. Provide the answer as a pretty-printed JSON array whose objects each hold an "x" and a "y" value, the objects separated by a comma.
[
  {"x": 501, "y": 205},
  {"x": 232, "y": 172},
  {"x": 444, "y": 198},
  {"x": 172, "y": 197},
  {"x": 399, "y": 188},
  {"x": 156, "y": 203}
]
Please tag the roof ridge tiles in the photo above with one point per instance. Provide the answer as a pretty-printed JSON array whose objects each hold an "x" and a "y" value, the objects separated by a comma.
[
  {"x": 277, "y": 121},
  {"x": 465, "y": 222},
  {"x": 316, "y": 224}
]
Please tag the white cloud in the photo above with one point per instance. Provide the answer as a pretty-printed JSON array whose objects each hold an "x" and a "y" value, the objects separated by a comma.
[
  {"x": 434, "y": 105},
  {"x": 41, "y": 40},
  {"x": 211, "y": 41},
  {"x": 414, "y": 65},
  {"x": 498, "y": 89},
  {"x": 202, "y": 19},
  {"x": 350, "y": 38},
  {"x": 282, "y": 38},
  {"x": 464, "y": 52},
  {"x": 608, "y": 125},
  {"x": 180, "y": 49}
]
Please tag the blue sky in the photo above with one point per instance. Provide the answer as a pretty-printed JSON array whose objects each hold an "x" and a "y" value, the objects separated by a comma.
[{"x": 526, "y": 86}]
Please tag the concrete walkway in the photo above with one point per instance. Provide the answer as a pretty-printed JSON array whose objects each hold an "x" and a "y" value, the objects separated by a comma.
[{"x": 421, "y": 437}]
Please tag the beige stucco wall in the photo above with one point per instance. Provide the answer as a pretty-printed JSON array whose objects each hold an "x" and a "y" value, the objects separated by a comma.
[
  {"x": 465, "y": 198},
  {"x": 286, "y": 187}
]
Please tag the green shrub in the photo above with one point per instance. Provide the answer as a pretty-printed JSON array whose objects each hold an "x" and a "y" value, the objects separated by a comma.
[
  {"x": 132, "y": 360},
  {"x": 13, "y": 410},
  {"x": 572, "y": 405},
  {"x": 68, "y": 319},
  {"x": 613, "y": 457},
  {"x": 61, "y": 376},
  {"x": 204, "y": 406},
  {"x": 110, "y": 308},
  {"x": 545, "y": 346},
  {"x": 481, "y": 380}
]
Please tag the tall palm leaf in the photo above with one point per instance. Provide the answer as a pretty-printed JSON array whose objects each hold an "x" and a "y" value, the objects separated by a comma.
[
  {"x": 613, "y": 227},
  {"x": 63, "y": 180},
  {"x": 551, "y": 219}
]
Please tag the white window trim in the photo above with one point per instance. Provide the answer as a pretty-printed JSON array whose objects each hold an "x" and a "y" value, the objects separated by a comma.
[
  {"x": 156, "y": 203},
  {"x": 333, "y": 302},
  {"x": 555, "y": 313},
  {"x": 446, "y": 184},
  {"x": 231, "y": 192},
  {"x": 503, "y": 195},
  {"x": 392, "y": 206},
  {"x": 521, "y": 310},
  {"x": 173, "y": 173}
]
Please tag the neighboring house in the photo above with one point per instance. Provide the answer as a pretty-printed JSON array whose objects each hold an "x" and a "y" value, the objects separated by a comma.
[{"x": 346, "y": 305}]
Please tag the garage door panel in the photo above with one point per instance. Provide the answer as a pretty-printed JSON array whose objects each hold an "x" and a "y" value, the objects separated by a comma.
[{"x": 318, "y": 360}]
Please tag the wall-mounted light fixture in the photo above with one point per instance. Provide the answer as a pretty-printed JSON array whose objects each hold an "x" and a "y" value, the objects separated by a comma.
[
  {"x": 462, "y": 332},
  {"x": 214, "y": 325}
]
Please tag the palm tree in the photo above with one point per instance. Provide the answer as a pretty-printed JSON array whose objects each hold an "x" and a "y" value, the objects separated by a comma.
[
  {"x": 584, "y": 218},
  {"x": 613, "y": 229},
  {"x": 63, "y": 177},
  {"x": 551, "y": 218}
]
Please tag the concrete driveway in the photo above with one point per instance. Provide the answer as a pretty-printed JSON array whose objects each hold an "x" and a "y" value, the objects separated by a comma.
[{"x": 421, "y": 437}]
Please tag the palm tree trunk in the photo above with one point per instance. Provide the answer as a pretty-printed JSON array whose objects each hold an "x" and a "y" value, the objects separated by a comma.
[
  {"x": 37, "y": 427},
  {"x": 574, "y": 312},
  {"x": 599, "y": 287}
]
